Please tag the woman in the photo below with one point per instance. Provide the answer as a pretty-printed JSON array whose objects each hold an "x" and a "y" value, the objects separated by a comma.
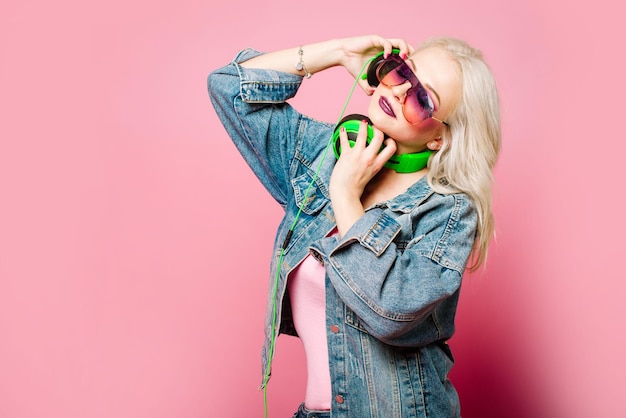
[{"x": 369, "y": 258}]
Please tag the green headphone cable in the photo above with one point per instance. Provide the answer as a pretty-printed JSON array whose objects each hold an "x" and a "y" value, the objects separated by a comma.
[{"x": 268, "y": 368}]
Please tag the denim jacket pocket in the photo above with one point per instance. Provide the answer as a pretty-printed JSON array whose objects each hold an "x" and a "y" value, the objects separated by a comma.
[{"x": 310, "y": 195}]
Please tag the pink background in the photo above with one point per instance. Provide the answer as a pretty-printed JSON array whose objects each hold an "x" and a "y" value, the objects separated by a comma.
[{"x": 125, "y": 287}]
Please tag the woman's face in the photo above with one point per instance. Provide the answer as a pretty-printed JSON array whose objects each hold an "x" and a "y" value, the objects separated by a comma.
[{"x": 439, "y": 74}]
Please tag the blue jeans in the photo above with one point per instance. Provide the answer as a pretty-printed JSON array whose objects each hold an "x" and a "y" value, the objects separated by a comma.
[{"x": 303, "y": 412}]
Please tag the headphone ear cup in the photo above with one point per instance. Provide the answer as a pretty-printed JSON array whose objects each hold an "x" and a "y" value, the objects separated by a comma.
[
  {"x": 372, "y": 79},
  {"x": 352, "y": 124}
]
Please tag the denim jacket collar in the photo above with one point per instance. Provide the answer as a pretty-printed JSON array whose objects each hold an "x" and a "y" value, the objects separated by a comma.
[{"x": 411, "y": 198}]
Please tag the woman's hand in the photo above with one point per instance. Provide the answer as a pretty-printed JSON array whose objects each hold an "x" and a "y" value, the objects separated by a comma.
[
  {"x": 358, "y": 50},
  {"x": 354, "y": 169}
]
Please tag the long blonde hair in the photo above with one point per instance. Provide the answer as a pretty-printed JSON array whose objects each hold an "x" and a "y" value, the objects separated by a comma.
[{"x": 471, "y": 142}]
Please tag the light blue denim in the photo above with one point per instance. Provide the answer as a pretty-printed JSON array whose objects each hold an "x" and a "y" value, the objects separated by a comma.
[
  {"x": 304, "y": 412},
  {"x": 393, "y": 280}
]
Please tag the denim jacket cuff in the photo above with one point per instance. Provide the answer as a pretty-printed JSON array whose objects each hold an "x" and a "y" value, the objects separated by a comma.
[{"x": 262, "y": 85}]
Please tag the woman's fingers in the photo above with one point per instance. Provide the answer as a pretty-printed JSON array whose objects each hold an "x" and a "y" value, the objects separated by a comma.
[
  {"x": 367, "y": 154},
  {"x": 388, "y": 150}
]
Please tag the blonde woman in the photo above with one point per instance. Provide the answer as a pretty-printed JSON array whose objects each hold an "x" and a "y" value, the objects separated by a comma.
[{"x": 383, "y": 213}]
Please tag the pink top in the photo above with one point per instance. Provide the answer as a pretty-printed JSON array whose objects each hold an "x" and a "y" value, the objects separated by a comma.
[{"x": 308, "y": 305}]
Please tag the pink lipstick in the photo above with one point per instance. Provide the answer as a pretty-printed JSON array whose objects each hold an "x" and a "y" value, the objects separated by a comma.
[{"x": 386, "y": 107}]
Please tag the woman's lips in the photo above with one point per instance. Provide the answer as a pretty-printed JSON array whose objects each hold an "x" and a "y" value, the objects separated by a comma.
[{"x": 386, "y": 107}]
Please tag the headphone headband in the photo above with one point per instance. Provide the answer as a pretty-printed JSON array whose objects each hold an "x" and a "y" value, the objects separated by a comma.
[{"x": 409, "y": 163}]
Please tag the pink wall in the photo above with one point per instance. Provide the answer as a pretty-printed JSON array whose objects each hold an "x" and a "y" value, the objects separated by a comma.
[{"x": 124, "y": 210}]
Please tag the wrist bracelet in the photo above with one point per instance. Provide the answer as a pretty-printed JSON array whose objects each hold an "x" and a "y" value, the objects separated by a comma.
[{"x": 300, "y": 64}]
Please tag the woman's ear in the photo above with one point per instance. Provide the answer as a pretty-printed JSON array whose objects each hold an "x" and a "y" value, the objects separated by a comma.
[{"x": 434, "y": 144}]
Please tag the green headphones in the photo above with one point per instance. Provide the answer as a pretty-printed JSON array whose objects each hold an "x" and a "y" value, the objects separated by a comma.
[{"x": 403, "y": 163}]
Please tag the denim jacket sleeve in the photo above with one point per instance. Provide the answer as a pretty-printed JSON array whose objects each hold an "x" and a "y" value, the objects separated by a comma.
[
  {"x": 251, "y": 105},
  {"x": 403, "y": 291}
]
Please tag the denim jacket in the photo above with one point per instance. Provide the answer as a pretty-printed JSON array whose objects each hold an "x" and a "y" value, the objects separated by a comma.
[{"x": 392, "y": 281}]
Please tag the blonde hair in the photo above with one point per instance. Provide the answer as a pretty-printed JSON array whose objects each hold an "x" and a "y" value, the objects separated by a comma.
[{"x": 471, "y": 142}]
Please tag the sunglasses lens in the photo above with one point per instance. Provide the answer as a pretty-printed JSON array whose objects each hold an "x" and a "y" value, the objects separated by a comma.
[{"x": 418, "y": 105}]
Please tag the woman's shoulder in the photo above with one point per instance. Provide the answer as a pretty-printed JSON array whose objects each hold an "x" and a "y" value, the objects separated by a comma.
[{"x": 452, "y": 205}]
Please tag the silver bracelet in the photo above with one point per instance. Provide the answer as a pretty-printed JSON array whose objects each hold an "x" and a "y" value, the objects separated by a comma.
[{"x": 300, "y": 64}]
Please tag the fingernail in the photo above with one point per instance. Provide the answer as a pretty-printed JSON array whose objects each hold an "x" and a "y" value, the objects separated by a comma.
[
  {"x": 404, "y": 56},
  {"x": 343, "y": 130}
]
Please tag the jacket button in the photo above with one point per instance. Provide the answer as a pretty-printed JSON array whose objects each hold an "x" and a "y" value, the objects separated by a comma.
[
  {"x": 339, "y": 399},
  {"x": 334, "y": 328}
]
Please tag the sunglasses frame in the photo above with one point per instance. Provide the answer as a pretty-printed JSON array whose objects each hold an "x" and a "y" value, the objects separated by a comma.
[{"x": 416, "y": 85}]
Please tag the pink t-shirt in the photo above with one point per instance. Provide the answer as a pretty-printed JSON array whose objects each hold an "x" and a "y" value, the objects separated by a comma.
[{"x": 308, "y": 305}]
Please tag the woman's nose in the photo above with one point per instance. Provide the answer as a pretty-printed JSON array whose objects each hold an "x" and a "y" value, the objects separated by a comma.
[{"x": 399, "y": 91}]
